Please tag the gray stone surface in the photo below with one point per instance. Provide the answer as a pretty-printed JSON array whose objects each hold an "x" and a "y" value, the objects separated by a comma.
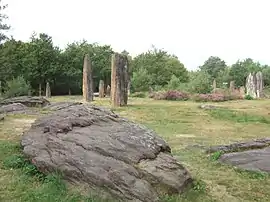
[
  {"x": 206, "y": 106},
  {"x": 252, "y": 160},
  {"x": 12, "y": 108},
  {"x": 60, "y": 105},
  {"x": 27, "y": 101},
  {"x": 94, "y": 146},
  {"x": 252, "y": 155},
  {"x": 240, "y": 146}
]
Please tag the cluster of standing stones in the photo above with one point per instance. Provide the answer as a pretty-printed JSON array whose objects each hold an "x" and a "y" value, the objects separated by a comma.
[
  {"x": 253, "y": 88},
  {"x": 118, "y": 91}
]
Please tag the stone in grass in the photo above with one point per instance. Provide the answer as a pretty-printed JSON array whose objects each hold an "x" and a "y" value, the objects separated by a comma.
[
  {"x": 208, "y": 107},
  {"x": 94, "y": 146},
  {"x": 251, "y": 155},
  {"x": 28, "y": 101}
]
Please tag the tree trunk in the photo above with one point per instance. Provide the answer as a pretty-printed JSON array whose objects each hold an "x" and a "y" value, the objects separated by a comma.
[
  {"x": 101, "y": 89},
  {"x": 48, "y": 90},
  {"x": 87, "y": 80},
  {"x": 119, "y": 80},
  {"x": 40, "y": 90}
]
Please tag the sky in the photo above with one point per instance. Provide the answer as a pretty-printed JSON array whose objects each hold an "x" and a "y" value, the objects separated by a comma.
[{"x": 193, "y": 30}]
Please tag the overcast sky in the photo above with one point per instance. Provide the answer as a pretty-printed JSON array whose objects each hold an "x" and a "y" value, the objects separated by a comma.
[{"x": 191, "y": 29}]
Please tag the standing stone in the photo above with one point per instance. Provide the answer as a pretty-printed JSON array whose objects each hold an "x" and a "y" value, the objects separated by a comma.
[
  {"x": 0, "y": 88},
  {"x": 40, "y": 90},
  {"x": 259, "y": 84},
  {"x": 128, "y": 88},
  {"x": 232, "y": 86},
  {"x": 48, "y": 90},
  {"x": 214, "y": 86},
  {"x": 242, "y": 91},
  {"x": 87, "y": 80},
  {"x": 101, "y": 89},
  {"x": 251, "y": 85},
  {"x": 108, "y": 91},
  {"x": 119, "y": 80}
]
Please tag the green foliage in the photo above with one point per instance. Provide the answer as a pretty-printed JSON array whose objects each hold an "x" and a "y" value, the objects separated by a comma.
[
  {"x": 248, "y": 97},
  {"x": 253, "y": 174},
  {"x": 240, "y": 117},
  {"x": 156, "y": 68},
  {"x": 174, "y": 83},
  {"x": 17, "y": 87},
  {"x": 200, "y": 82},
  {"x": 216, "y": 155},
  {"x": 241, "y": 69},
  {"x": 213, "y": 66}
]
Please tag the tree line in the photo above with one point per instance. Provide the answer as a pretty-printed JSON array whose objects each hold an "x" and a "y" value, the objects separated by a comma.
[{"x": 38, "y": 61}]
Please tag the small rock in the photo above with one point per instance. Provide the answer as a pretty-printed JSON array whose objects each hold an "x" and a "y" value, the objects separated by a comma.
[{"x": 203, "y": 106}]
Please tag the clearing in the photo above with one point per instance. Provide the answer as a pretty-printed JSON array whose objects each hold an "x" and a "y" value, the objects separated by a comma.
[{"x": 183, "y": 125}]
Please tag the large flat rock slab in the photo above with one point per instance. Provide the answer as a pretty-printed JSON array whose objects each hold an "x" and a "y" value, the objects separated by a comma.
[
  {"x": 28, "y": 101},
  {"x": 252, "y": 160},
  {"x": 253, "y": 155},
  {"x": 94, "y": 146}
]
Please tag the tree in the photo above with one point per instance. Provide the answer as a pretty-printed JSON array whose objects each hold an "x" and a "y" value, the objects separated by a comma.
[
  {"x": 241, "y": 69},
  {"x": 200, "y": 82},
  {"x": 3, "y": 27},
  {"x": 213, "y": 66},
  {"x": 160, "y": 66}
]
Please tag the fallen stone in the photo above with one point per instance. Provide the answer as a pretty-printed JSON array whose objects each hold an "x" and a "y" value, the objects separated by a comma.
[
  {"x": 203, "y": 106},
  {"x": 240, "y": 146},
  {"x": 27, "y": 101},
  {"x": 12, "y": 108},
  {"x": 60, "y": 105},
  {"x": 251, "y": 160},
  {"x": 94, "y": 146}
]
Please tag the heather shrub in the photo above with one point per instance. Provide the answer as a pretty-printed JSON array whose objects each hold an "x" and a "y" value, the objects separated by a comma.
[
  {"x": 210, "y": 97},
  {"x": 171, "y": 95}
]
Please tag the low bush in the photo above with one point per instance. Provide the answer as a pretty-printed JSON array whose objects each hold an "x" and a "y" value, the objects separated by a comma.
[
  {"x": 170, "y": 95},
  {"x": 138, "y": 94},
  {"x": 17, "y": 87},
  {"x": 215, "y": 97}
]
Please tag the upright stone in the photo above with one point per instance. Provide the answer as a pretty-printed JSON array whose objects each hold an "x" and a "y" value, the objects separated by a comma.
[
  {"x": 119, "y": 80},
  {"x": 48, "y": 90},
  {"x": 242, "y": 91},
  {"x": 87, "y": 87},
  {"x": 259, "y": 84},
  {"x": 214, "y": 86},
  {"x": 251, "y": 85},
  {"x": 101, "y": 89},
  {"x": 232, "y": 86},
  {"x": 108, "y": 91},
  {"x": 128, "y": 87}
]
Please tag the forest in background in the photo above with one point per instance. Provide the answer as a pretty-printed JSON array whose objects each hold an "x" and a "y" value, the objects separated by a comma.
[{"x": 29, "y": 65}]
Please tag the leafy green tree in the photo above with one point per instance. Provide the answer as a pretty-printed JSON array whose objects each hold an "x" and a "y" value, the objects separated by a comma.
[
  {"x": 200, "y": 82},
  {"x": 241, "y": 69},
  {"x": 160, "y": 66},
  {"x": 213, "y": 66},
  {"x": 140, "y": 80},
  {"x": 174, "y": 83},
  {"x": 3, "y": 26}
]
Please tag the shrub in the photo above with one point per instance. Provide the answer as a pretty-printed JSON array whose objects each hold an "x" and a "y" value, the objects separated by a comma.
[
  {"x": 248, "y": 97},
  {"x": 171, "y": 95},
  {"x": 138, "y": 94},
  {"x": 210, "y": 97},
  {"x": 17, "y": 87}
]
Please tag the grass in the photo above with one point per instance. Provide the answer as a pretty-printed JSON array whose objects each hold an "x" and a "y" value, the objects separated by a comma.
[{"x": 182, "y": 124}]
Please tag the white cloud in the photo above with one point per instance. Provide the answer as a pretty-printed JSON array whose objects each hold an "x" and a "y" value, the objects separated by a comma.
[{"x": 191, "y": 29}]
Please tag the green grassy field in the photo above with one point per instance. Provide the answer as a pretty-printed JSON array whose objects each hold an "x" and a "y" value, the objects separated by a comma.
[{"x": 182, "y": 124}]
